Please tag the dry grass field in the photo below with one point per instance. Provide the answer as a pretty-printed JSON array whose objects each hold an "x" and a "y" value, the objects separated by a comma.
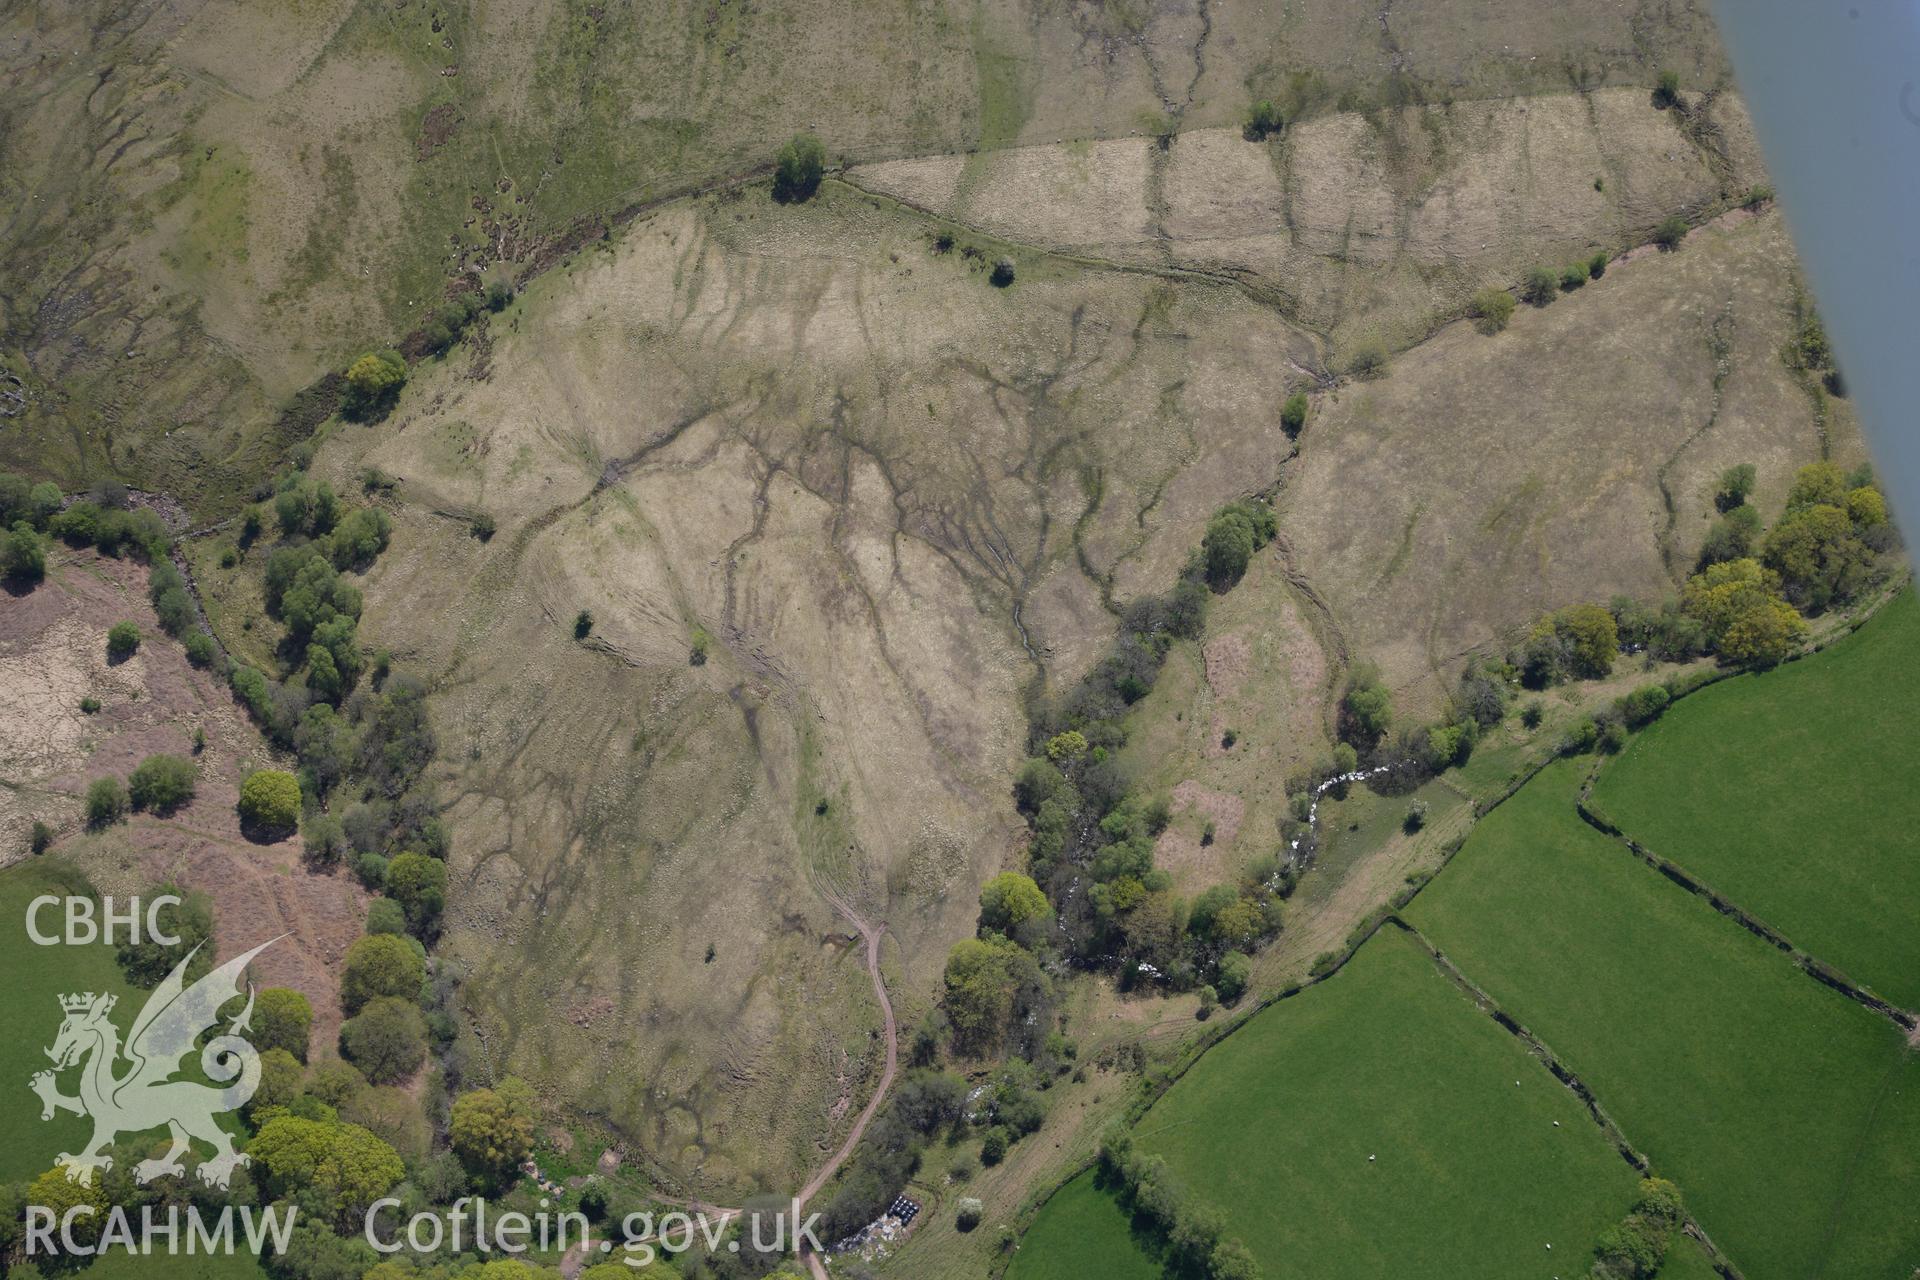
[
  {"x": 1366, "y": 225},
  {"x": 890, "y": 497},
  {"x": 835, "y": 504},
  {"x": 208, "y": 205},
  {"x": 1572, "y": 457},
  {"x": 845, "y": 458}
]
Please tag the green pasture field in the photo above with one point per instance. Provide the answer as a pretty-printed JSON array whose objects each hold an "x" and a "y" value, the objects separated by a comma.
[
  {"x": 29, "y": 1005},
  {"x": 1479, "y": 1158},
  {"x": 1794, "y": 795},
  {"x": 1787, "y": 1113},
  {"x": 1082, "y": 1234},
  {"x": 30, "y": 1008},
  {"x": 1686, "y": 1261}
]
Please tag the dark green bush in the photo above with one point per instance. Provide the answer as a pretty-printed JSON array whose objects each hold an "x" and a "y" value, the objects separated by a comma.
[
  {"x": 162, "y": 783},
  {"x": 23, "y": 557},
  {"x": 1540, "y": 286},
  {"x": 1581, "y": 737},
  {"x": 797, "y": 171},
  {"x": 122, "y": 639},
  {"x": 1293, "y": 414},
  {"x": 106, "y": 802},
  {"x": 200, "y": 648},
  {"x": 1369, "y": 360},
  {"x": 1492, "y": 309},
  {"x": 1736, "y": 485}
]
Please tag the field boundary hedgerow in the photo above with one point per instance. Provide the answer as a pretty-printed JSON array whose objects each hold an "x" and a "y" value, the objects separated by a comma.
[
  {"x": 1782, "y": 830},
  {"x": 1814, "y": 967},
  {"x": 1684, "y": 688},
  {"x": 1543, "y": 1052},
  {"x": 1157, "y": 1084}
]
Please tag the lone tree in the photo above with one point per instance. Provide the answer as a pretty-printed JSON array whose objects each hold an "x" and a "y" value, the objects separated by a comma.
[
  {"x": 1366, "y": 709},
  {"x": 122, "y": 639},
  {"x": 1736, "y": 485},
  {"x": 1540, "y": 287},
  {"x": 1492, "y": 309},
  {"x": 1666, "y": 90},
  {"x": 270, "y": 802},
  {"x": 1293, "y": 414},
  {"x": 1236, "y": 531},
  {"x": 163, "y": 783},
  {"x": 796, "y": 175},
  {"x": 373, "y": 381},
  {"x": 23, "y": 557},
  {"x": 1263, "y": 119},
  {"x": 1229, "y": 546},
  {"x": 106, "y": 802},
  {"x": 1369, "y": 359}
]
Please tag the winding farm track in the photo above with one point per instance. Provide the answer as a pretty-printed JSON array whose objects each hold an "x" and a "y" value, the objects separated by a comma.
[{"x": 871, "y": 935}]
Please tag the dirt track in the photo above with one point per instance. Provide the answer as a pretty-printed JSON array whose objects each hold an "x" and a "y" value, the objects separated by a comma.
[
  {"x": 872, "y": 934},
  {"x": 824, "y": 1174}
]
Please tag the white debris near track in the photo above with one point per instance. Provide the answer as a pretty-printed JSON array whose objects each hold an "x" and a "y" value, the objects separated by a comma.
[
  {"x": 1337, "y": 780},
  {"x": 876, "y": 1240}
]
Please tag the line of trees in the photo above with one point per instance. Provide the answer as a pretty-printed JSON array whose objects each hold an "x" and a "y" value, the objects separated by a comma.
[
  {"x": 1192, "y": 1236},
  {"x": 1635, "y": 1247},
  {"x": 1091, "y": 854}
]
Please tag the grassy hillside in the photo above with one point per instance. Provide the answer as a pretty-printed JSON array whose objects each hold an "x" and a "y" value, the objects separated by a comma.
[
  {"x": 833, "y": 502},
  {"x": 1776, "y": 790},
  {"x": 207, "y": 206},
  {"x": 1570, "y": 458}
]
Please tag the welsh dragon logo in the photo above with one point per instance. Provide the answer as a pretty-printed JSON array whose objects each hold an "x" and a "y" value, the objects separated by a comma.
[{"x": 147, "y": 1095}]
